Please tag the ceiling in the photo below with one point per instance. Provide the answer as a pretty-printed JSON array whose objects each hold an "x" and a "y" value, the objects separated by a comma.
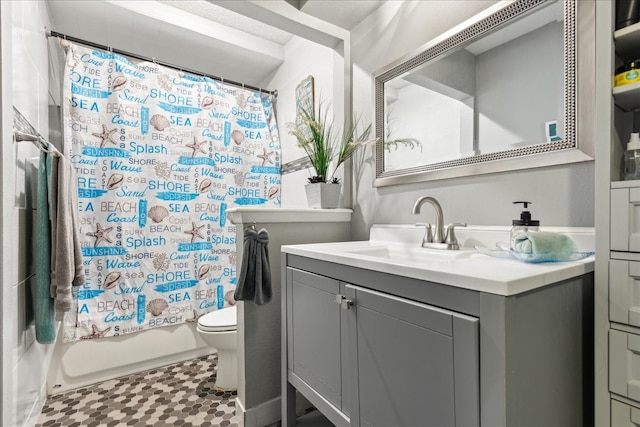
[
  {"x": 345, "y": 14},
  {"x": 239, "y": 40}
]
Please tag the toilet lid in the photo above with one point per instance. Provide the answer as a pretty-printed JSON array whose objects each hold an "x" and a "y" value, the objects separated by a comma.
[{"x": 224, "y": 319}]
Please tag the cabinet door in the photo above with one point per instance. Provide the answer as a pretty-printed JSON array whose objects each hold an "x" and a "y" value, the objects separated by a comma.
[
  {"x": 417, "y": 365},
  {"x": 314, "y": 333},
  {"x": 624, "y": 292},
  {"x": 624, "y": 363},
  {"x": 625, "y": 219},
  {"x": 623, "y": 415}
]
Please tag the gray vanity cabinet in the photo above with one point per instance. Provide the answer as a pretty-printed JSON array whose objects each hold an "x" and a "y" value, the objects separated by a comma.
[
  {"x": 369, "y": 348},
  {"x": 415, "y": 364}
]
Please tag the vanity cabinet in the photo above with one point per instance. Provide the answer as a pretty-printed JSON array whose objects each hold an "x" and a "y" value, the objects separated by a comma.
[
  {"x": 411, "y": 358},
  {"x": 368, "y": 348}
]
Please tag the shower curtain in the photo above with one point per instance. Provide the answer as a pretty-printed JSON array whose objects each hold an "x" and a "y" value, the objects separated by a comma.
[{"x": 160, "y": 156}]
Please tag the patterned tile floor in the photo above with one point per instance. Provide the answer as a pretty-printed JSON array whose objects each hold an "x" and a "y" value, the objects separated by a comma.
[{"x": 174, "y": 395}]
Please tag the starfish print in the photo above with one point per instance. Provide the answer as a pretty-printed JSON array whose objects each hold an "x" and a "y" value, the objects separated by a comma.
[
  {"x": 197, "y": 146},
  {"x": 96, "y": 333},
  {"x": 195, "y": 231},
  {"x": 266, "y": 157},
  {"x": 100, "y": 234},
  {"x": 106, "y": 136}
]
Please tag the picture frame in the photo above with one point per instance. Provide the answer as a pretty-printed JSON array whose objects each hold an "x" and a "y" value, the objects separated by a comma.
[{"x": 305, "y": 98}]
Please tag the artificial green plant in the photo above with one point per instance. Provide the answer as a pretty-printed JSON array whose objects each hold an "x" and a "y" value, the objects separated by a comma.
[{"x": 324, "y": 146}]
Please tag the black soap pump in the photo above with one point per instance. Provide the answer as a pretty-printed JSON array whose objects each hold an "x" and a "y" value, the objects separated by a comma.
[{"x": 524, "y": 224}]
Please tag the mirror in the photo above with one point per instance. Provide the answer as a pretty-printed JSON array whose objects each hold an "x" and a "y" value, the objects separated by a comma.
[{"x": 496, "y": 93}]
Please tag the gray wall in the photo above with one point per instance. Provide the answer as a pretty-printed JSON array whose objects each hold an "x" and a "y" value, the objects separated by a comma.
[{"x": 561, "y": 195}]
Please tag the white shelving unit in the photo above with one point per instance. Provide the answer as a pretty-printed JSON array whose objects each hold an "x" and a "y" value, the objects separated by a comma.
[{"x": 617, "y": 221}]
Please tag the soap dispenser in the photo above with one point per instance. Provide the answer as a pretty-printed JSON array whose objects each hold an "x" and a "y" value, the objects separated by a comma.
[
  {"x": 524, "y": 224},
  {"x": 632, "y": 158}
]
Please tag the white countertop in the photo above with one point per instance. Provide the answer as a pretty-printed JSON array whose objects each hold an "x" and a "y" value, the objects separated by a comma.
[{"x": 467, "y": 268}]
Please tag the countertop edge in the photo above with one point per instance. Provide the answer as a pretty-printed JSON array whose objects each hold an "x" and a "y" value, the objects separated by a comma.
[{"x": 548, "y": 273}]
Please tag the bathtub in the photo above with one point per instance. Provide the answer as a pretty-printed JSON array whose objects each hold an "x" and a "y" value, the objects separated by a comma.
[{"x": 86, "y": 362}]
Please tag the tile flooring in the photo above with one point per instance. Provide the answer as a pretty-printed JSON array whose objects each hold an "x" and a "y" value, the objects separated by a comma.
[{"x": 174, "y": 395}]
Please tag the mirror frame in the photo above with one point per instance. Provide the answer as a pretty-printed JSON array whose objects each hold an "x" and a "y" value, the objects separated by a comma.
[{"x": 579, "y": 80}]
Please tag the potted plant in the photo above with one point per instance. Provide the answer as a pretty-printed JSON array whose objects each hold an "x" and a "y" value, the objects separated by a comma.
[{"x": 327, "y": 149}]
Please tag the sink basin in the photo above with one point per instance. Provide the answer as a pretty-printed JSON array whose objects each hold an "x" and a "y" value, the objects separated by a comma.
[{"x": 403, "y": 254}]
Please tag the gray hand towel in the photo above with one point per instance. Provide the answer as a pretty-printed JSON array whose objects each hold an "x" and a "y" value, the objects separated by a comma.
[
  {"x": 67, "y": 270},
  {"x": 254, "y": 281}
]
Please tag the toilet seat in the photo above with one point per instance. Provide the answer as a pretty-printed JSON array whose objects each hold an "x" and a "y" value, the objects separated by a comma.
[{"x": 219, "y": 321}]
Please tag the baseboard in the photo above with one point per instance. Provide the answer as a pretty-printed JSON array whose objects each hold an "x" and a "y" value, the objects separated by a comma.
[{"x": 268, "y": 412}]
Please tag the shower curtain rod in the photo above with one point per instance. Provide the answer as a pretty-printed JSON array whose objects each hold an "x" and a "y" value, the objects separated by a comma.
[{"x": 154, "y": 60}]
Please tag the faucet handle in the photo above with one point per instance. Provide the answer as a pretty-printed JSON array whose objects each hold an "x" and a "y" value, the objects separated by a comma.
[
  {"x": 428, "y": 234},
  {"x": 451, "y": 236}
]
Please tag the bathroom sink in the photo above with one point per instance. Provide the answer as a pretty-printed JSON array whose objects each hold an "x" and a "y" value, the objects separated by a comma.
[{"x": 403, "y": 254}]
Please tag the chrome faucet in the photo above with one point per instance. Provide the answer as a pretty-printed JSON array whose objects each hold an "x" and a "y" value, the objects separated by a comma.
[{"x": 439, "y": 239}]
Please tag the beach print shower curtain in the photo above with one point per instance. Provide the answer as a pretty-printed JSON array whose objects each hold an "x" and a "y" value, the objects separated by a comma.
[{"x": 160, "y": 156}]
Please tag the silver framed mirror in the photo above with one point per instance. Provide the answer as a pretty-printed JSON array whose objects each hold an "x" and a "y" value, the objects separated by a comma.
[{"x": 502, "y": 91}]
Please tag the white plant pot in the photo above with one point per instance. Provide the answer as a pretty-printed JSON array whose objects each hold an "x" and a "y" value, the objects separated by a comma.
[{"x": 322, "y": 195}]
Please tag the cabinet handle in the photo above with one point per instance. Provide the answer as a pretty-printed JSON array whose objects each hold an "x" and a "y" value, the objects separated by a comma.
[{"x": 345, "y": 303}]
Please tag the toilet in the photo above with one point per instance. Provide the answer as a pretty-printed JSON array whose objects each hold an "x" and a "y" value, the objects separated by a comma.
[{"x": 218, "y": 330}]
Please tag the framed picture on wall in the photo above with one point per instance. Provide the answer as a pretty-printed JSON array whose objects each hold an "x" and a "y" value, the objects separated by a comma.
[{"x": 304, "y": 98}]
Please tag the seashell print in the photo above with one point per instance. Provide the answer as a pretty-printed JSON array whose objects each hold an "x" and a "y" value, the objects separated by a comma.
[
  {"x": 228, "y": 297},
  {"x": 273, "y": 192},
  {"x": 164, "y": 81},
  {"x": 119, "y": 83},
  {"x": 162, "y": 170},
  {"x": 157, "y": 306},
  {"x": 233, "y": 256},
  {"x": 159, "y": 122},
  {"x": 195, "y": 317},
  {"x": 205, "y": 185},
  {"x": 238, "y": 177},
  {"x": 95, "y": 333},
  {"x": 160, "y": 261},
  {"x": 207, "y": 102},
  {"x": 115, "y": 181},
  {"x": 112, "y": 280},
  {"x": 237, "y": 136},
  {"x": 203, "y": 271},
  {"x": 158, "y": 213}
]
